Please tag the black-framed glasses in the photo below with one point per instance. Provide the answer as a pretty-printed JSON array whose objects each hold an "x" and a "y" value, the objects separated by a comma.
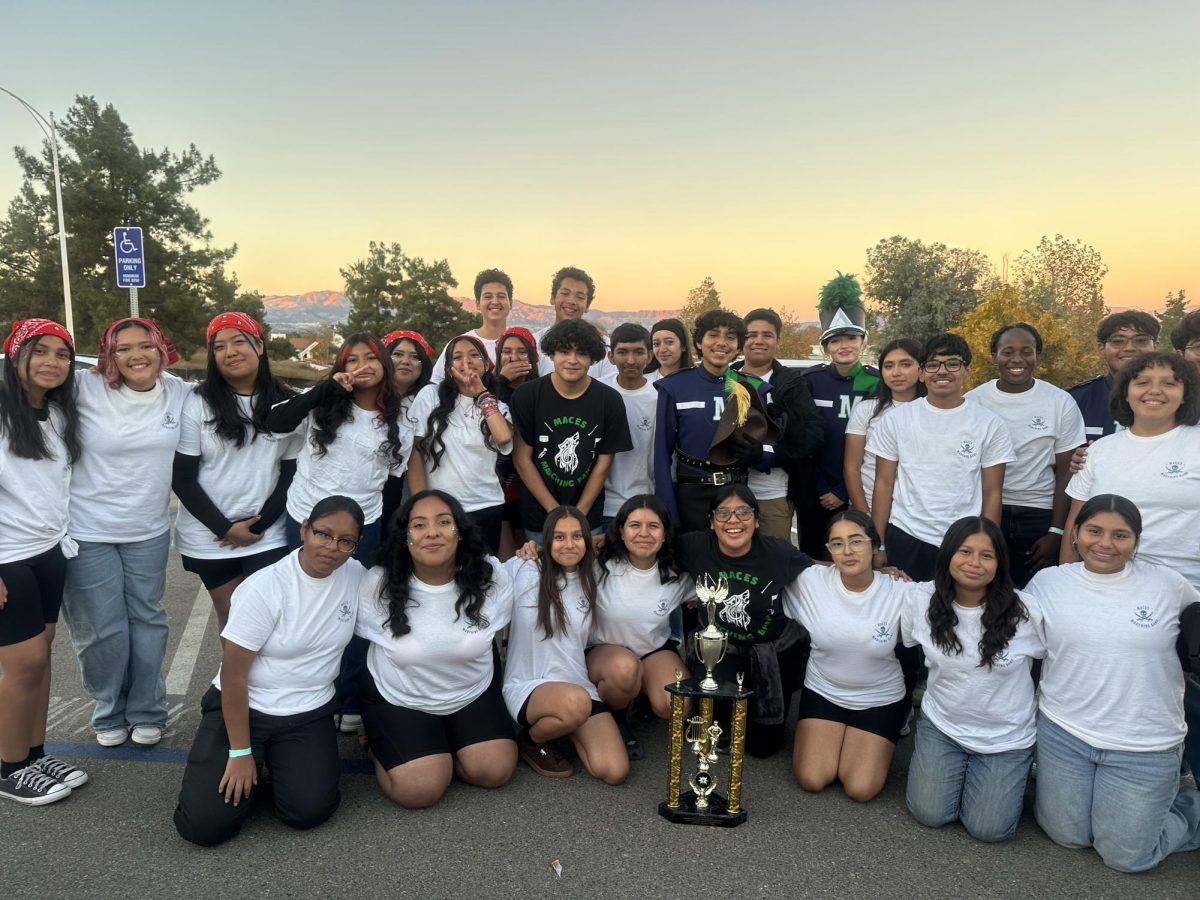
[
  {"x": 741, "y": 513},
  {"x": 325, "y": 539},
  {"x": 1138, "y": 341},
  {"x": 952, "y": 365}
]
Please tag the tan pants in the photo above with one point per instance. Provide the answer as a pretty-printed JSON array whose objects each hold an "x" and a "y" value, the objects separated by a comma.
[{"x": 775, "y": 518}]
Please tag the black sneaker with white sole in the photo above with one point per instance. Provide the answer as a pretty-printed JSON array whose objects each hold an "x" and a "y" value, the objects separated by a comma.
[
  {"x": 68, "y": 774},
  {"x": 32, "y": 788}
]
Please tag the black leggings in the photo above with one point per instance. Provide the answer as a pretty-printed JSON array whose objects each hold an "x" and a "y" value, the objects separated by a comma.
[{"x": 300, "y": 751}]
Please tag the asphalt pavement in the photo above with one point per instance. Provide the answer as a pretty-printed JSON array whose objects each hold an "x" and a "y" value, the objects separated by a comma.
[{"x": 114, "y": 836}]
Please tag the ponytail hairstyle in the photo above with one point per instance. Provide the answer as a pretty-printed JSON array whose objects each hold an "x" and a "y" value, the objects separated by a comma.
[
  {"x": 228, "y": 421},
  {"x": 685, "y": 344},
  {"x": 1003, "y": 610},
  {"x": 615, "y": 551},
  {"x": 335, "y": 410},
  {"x": 447, "y": 397},
  {"x": 551, "y": 614},
  {"x": 19, "y": 421},
  {"x": 882, "y": 391},
  {"x": 473, "y": 575}
]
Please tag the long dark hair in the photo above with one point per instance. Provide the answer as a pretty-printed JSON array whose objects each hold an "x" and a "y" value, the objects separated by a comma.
[
  {"x": 685, "y": 344},
  {"x": 336, "y": 412},
  {"x": 882, "y": 391},
  {"x": 615, "y": 551},
  {"x": 448, "y": 394},
  {"x": 1003, "y": 610},
  {"x": 19, "y": 420},
  {"x": 551, "y": 614},
  {"x": 472, "y": 572},
  {"x": 228, "y": 421},
  {"x": 426, "y": 365}
]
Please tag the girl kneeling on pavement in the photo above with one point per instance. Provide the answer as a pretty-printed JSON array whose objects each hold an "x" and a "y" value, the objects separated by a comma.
[
  {"x": 431, "y": 700},
  {"x": 1110, "y": 723},
  {"x": 271, "y": 706},
  {"x": 39, "y": 440},
  {"x": 977, "y": 729},
  {"x": 546, "y": 684}
]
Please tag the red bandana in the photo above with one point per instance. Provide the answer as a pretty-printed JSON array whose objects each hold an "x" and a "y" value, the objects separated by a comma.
[
  {"x": 25, "y": 329},
  {"x": 413, "y": 336},
  {"x": 524, "y": 334},
  {"x": 238, "y": 320},
  {"x": 106, "y": 342}
]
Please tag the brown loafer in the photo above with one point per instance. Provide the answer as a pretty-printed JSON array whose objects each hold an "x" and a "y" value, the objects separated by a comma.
[{"x": 545, "y": 759}]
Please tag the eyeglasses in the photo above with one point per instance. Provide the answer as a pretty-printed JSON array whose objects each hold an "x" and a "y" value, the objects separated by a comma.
[
  {"x": 325, "y": 539},
  {"x": 1193, "y": 347},
  {"x": 855, "y": 543},
  {"x": 1139, "y": 341},
  {"x": 952, "y": 365},
  {"x": 742, "y": 514}
]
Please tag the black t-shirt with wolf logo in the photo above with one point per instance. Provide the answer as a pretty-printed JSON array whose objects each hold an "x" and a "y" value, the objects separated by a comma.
[{"x": 566, "y": 436}]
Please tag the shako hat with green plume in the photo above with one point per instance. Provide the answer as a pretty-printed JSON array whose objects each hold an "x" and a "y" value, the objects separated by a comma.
[{"x": 841, "y": 308}]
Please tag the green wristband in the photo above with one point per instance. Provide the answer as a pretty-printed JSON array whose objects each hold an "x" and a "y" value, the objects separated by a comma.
[
  {"x": 234, "y": 754},
  {"x": 1057, "y": 531}
]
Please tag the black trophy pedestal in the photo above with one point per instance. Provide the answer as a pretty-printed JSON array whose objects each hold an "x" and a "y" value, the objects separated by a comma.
[{"x": 716, "y": 813}]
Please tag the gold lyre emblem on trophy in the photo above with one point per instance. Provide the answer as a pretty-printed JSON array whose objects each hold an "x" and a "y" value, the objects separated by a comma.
[{"x": 710, "y": 641}]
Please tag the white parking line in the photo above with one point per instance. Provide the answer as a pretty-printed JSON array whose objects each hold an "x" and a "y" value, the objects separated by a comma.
[{"x": 179, "y": 676}]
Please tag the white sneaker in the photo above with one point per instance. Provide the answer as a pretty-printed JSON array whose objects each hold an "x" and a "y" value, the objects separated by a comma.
[
  {"x": 112, "y": 737},
  {"x": 349, "y": 724},
  {"x": 147, "y": 735}
]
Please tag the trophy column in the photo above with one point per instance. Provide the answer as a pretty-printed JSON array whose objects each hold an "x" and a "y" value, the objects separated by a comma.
[{"x": 675, "y": 756}]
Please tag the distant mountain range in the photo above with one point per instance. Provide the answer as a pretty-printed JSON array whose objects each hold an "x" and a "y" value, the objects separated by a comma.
[{"x": 295, "y": 313}]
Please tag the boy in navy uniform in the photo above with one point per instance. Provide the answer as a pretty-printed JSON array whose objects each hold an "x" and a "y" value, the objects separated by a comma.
[{"x": 1119, "y": 339}]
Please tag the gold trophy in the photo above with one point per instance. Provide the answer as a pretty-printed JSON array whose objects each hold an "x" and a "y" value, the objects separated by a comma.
[
  {"x": 702, "y": 805},
  {"x": 711, "y": 640}
]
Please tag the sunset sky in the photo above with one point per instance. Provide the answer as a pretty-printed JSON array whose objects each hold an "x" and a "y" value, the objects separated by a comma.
[{"x": 764, "y": 144}]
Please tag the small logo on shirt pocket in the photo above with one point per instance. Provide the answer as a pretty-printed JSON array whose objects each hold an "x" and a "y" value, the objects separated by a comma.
[
  {"x": 1038, "y": 423},
  {"x": 662, "y": 609},
  {"x": 882, "y": 634},
  {"x": 169, "y": 421},
  {"x": 1002, "y": 660},
  {"x": 344, "y": 612},
  {"x": 1174, "y": 470},
  {"x": 966, "y": 450},
  {"x": 1143, "y": 617}
]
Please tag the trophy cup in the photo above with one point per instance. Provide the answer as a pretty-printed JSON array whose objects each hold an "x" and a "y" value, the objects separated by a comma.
[
  {"x": 702, "y": 805},
  {"x": 710, "y": 642}
]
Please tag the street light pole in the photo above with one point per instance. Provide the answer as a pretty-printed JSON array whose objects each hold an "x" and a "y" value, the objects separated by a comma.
[{"x": 51, "y": 134}]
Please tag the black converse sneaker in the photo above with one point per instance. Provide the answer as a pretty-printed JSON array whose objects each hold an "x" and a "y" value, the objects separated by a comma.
[
  {"x": 68, "y": 774},
  {"x": 31, "y": 787}
]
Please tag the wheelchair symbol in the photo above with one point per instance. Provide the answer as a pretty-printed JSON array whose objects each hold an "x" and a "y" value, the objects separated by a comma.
[{"x": 127, "y": 246}]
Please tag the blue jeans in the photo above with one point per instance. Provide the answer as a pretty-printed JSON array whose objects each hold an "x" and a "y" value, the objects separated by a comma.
[
  {"x": 1127, "y": 805},
  {"x": 946, "y": 781},
  {"x": 112, "y": 603}
]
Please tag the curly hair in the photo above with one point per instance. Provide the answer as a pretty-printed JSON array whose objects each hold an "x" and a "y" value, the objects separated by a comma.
[
  {"x": 551, "y": 614},
  {"x": 336, "y": 409},
  {"x": 473, "y": 573},
  {"x": 492, "y": 276},
  {"x": 448, "y": 394},
  {"x": 575, "y": 274},
  {"x": 574, "y": 334},
  {"x": 1189, "y": 410},
  {"x": 1186, "y": 331},
  {"x": 713, "y": 319},
  {"x": 228, "y": 421},
  {"x": 1003, "y": 610},
  {"x": 615, "y": 551}
]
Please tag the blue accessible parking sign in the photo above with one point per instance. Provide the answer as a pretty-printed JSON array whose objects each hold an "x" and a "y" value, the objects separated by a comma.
[{"x": 131, "y": 263}]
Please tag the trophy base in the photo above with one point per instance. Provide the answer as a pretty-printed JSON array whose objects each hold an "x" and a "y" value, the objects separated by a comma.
[{"x": 716, "y": 813}]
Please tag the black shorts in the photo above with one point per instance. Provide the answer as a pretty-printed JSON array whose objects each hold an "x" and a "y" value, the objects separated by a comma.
[
  {"x": 523, "y": 715},
  {"x": 398, "y": 735},
  {"x": 35, "y": 590},
  {"x": 216, "y": 572},
  {"x": 885, "y": 721},
  {"x": 671, "y": 644}
]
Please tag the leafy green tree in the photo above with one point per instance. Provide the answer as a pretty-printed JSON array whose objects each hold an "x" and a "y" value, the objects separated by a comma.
[
  {"x": 1175, "y": 310},
  {"x": 223, "y": 293},
  {"x": 108, "y": 180},
  {"x": 700, "y": 299},
  {"x": 920, "y": 289},
  {"x": 389, "y": 289},
  {"x": 280, "y": 348},
  {"x": 1062, "y": 274}
]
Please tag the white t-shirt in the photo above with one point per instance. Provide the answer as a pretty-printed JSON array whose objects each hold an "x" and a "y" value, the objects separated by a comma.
[
  {"x": 121, "y": 485},
  {"x": 940, "y": 454},
  {"x": 467, "y": 470},
  {"x": 1161, "y": 475},
  {"x": 1112, "y": 677},
  {"x": 772, "y": 484},
  {"x": 632, "y": 471},
  {"x": 298, "y": 626},
  {"x": 356, "y": 464},
  {"x": 1042, "y": 422},
  {"x": 444, "y": 662},
  {"x": 633, "y": 608},
  {"x": 238, "y": 480},
  {"x": 985, "y": 710},
  {"x": 853, "y": 661},
  {"x": 33, "y": 494},
  {"x": 533, "y": 660},
  {"x": 600, "y": 370},
  {"x": 863, "y": 421},
  {"x": 438, "y": 375}
]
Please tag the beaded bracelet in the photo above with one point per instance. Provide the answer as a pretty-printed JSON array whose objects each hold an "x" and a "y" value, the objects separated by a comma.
[{"x": 487, "y": 403}]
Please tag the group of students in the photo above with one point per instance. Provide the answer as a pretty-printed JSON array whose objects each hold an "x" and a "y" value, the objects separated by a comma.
[{"x": 351, "y": 539}]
